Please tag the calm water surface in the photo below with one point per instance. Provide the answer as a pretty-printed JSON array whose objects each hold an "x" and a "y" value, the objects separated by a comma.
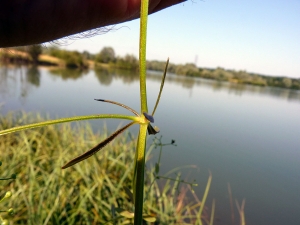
[{"x": 245, "y": 135}]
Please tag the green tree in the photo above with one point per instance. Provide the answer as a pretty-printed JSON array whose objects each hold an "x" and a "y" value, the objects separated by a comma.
[
  {"x": 73, "y": 59},
  {"x": 129, "y": 62},
  {"x": 189, "y": 69},
  {"x": 106, "y": 55},
  {"x": 88, "y": 56},
  {"x": 34, "y": 51},
  {"x": 222, "y": 74},
  {"x": 258, "y": 80},
  {"x": 287, "y": 82}
]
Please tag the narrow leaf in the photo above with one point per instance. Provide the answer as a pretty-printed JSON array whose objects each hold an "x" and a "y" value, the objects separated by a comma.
[
  {"x": 119, "y": 104},
  {"x": 211, "y": 222},
  {"x": 204, "y": 196},
  {"x": 161, "y": 87},
  {"x": 113, "y": 213},
  {"x": 70, "y": 119},
  {"x": 156, "y": 168},
  {"x": 97, "y": 148}
]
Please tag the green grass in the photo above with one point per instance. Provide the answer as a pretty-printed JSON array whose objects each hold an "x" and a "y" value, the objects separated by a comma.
[{"x": 43, "y": 193}]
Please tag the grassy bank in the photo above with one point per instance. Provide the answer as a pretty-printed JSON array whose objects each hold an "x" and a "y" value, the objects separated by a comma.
[{"x": 43, "y": 193}]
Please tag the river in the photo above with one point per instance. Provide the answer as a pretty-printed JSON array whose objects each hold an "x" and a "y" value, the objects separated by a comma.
[{"x": 247, "y": 136}]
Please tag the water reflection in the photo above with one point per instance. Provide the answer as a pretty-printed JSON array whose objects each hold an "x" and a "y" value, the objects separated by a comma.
[
  {"x": 240, "y": 89},
  {"x": 185, "y": 82},
  {"x": 33, "y": 76},
  {"x": 18, "y": 80},
  {"x": 106, "y": 76},
  {"x": 10, "y": 77},
  {"x": 66, "y": 74},
  {"x": 4, "y": 81},
  {"x": 103, "y": 76}
]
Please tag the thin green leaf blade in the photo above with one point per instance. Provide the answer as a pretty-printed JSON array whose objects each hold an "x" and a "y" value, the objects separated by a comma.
[
  {"x": 204, "y": 197},
  {"x": 161, "y": 87},
  {"x": 119, "y": 104},
  {"x": 68, "y": 119}
]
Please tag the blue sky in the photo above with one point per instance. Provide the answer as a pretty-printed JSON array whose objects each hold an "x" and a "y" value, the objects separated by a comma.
[{"x": 256, "y": 36}]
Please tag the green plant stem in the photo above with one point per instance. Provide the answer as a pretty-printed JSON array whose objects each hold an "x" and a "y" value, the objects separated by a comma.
[
  {"x": 142, "y": 55},
  {"x": 69, "y": 119},
  {"x": 138, "y": 187},
  {"x": 212, "y": 215},
  {"x": 139, "y": 176}
]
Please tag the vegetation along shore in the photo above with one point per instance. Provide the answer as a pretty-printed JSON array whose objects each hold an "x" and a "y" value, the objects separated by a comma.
[
  {"x": 106, "y": 58},
  {"x": 96, "y": 191}
]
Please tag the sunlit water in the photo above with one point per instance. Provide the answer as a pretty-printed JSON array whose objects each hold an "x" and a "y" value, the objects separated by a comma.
[{"x": 245, "y": 135}]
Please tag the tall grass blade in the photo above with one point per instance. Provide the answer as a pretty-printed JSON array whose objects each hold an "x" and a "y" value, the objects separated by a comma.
[
  {"x": 241, "y": 210},
  {"x": 204, "y": 198},
  {"x": 212, "y": 215},
  {"x": 231, "y": 203}
]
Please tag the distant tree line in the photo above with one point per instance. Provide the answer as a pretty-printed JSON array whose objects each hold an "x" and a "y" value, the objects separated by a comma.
[
  {"x": 107, "y": 58},
  {"x": 72, "y": 59},
  {"x": 222, "y": 74},
  {"x": 107, "y": 55}
]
